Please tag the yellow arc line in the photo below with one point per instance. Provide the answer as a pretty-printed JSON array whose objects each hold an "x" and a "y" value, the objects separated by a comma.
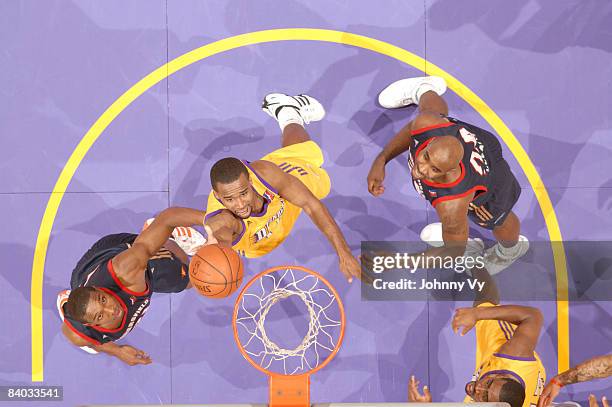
[{"x": 291, "y": 34}]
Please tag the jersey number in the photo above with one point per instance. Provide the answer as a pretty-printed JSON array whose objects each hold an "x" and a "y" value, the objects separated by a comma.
[
  {"x": 477, "y": 159},
  {"x": 288, "y": 168}
]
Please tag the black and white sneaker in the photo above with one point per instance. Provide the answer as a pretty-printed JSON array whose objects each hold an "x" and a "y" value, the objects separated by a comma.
[{"x": 309, "y": 108}]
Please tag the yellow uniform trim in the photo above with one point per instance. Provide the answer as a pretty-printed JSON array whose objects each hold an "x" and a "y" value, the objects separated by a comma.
[{"x": 290, "y": 34}]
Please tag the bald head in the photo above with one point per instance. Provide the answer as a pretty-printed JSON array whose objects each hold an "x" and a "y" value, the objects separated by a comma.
[
  {"x": 445, "y": 152},
  {"x": 439, "y": 161}
]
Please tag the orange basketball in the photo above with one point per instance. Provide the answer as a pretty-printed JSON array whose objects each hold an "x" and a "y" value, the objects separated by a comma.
[{"x": 216, "y": 271}]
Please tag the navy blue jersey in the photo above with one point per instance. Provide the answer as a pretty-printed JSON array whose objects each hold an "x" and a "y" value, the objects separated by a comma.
[
  {"x": 164, "y": 273},
  {"x": 482, "y": 159}
]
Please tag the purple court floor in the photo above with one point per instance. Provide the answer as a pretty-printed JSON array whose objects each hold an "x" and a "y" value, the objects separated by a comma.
[{"x": 543, "y": 66}]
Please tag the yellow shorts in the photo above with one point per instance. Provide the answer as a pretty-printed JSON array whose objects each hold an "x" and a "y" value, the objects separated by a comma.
[{"x": 303, "y": 161}]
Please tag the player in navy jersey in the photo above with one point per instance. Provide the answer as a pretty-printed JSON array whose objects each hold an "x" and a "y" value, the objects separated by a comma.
[
  {"x": 112, "y": 284},
  {"x": 458, "y": 168}
]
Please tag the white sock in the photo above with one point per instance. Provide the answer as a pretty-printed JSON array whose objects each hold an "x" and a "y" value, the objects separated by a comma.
[
  {"x": 508, "y": 252},
  {"x": 422, "y": 89},
  {"x": 288, "y": 115}
]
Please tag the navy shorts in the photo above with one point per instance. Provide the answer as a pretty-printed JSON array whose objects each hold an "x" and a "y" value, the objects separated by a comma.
[{"x": 500, "y": 200}]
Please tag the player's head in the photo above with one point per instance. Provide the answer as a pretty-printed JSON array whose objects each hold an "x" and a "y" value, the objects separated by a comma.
[
  {"x": 93, "y": 306},
  {"x": 231, "y": 185},
  {"x": 442, "y": 155},
  {"x": 493, "y": 387}
]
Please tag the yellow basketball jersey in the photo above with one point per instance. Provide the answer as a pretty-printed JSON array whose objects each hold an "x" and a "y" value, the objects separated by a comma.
[
  {"x": 262, "y": 232},
  {"x": 490, "y": 336}
]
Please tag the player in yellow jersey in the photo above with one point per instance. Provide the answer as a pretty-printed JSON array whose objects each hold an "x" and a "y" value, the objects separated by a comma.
[
  {"x": 507, "y": 367},
  {"x": 254, "y": 205}
]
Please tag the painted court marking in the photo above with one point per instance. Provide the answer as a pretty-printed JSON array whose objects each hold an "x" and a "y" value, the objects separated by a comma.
[{"x": 292, "y": 34}]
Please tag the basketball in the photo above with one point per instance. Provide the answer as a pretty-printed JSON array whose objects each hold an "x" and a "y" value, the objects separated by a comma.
[{"x": 216, "y": 271}]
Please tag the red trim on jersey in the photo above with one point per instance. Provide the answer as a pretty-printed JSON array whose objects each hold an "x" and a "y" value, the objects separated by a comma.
[
  {"x": 435, "y": 126},
  {"x": 466, "y": 193},
  {"x": 435, "y": 184},
  {"x": 81, "y": 334},
  {"x": 450, "y": 184},
  {"x": 111, "y": 270},
  {"x": 100, "y": 329},
  {"x": 422, "y": 146}
]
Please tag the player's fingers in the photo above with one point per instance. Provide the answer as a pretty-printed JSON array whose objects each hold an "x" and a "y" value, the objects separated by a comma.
[
  {"x": 210, "y": 237},
  {"x": 465, "y": 330},
  {"x": 426, "y": 392},
  {"x": 544, "y": 401},
  {"x": 411, "y": 394},
  {"x": 412, "y": 390},
  {"x": 604, "y": 401},
  {"x": 593, "y": 401},
  {"x": 371, "y": 185},
  {"x": 346, "y": 273}
]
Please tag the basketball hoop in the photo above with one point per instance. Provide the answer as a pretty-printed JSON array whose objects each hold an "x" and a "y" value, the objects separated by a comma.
[{"x": 258, "y": 330}]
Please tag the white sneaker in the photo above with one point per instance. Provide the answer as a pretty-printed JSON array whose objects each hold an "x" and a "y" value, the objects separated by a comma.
[
  {"x": 188, "y": 239},
  {"x": 62, "y": 298},
  {"x": 408, "y": 91},
  {"x": 432, "y": 235},
  {"x": 474, "y": 247},
  {"x": 309, "y": 108},
  {"x": 498, "y": 258}
]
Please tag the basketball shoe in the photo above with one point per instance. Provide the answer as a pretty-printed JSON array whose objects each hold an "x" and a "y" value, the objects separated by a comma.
[
  {"x": 308, "y": 108},
  {"x": 408, "y": 91},
  {"x": 188, "y": 239},
  {"x": 498, "y": 257}
]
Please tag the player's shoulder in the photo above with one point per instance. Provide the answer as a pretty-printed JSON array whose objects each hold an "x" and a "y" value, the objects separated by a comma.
[
  {"x": 268, "y": 172},
  {"x": 263, "y": 166}
]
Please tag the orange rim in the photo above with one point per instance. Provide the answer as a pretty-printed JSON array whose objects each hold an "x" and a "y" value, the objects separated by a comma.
[{"x": 340, "y": 307}]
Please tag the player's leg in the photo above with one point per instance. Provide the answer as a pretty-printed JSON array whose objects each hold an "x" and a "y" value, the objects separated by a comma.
[
  {"x": 294, "y": 133},
  {"x": 431, "y": 102},
  {"x": 507, "y": 234},
  {"x": 291, "y": 113}
]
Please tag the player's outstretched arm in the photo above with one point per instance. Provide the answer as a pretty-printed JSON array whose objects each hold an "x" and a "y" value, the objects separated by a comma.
[
  {"x": 125, "y": 353},
  {"x": 130, "y": 264},
  {"x": 224, "y": 226},
  {"x": 596, "y": 368},
  {"x": 292, "y": 189},
  {"x": 528, "y": 320},
  {"x": 396, "y": 146}
]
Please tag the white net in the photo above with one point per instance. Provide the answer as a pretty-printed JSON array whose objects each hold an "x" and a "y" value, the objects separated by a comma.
[{"x": 284, "y": 303}]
